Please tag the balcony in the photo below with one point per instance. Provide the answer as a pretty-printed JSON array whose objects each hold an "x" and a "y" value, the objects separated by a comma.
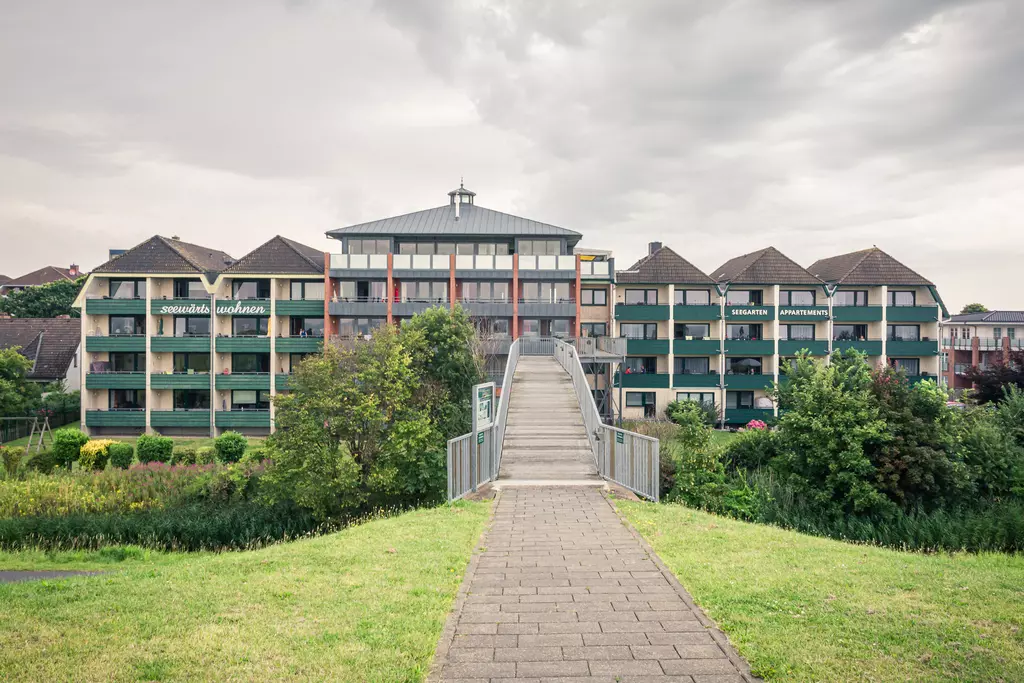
[
  {"x": 695, "y": 381},
  {"x": 537, "y": 308},
  {"x": 282, "y": 382},
  {"x": 361, "y": 307},
  {"x": 644, "y": 380},
  {"x": 491, "y": 266},
  {"x": 259, "y": 307},
  {"x": 595, "y": 270},
  {"x": 359, "y": 265},
  {"x": 791, "y": 347},
  {"x": 647, "y": 347},
  {"x": 243, "y": 344},
  {"x": 640, "y": 312},
  {"x": 298, "y": 344},
  {"x": 410, "y": 307},
  {"x": 108, "y": 306},
  {"x": 243, "y": 380},
  {"x": 191, "y": 344},
  {"x": 489, "y": 308},
  {"x": 749, "y": 382},
  {"x": 115, "y": 418},
  {"x": 179, "y": 306},
  {"x": 180, "y": 418},
  {"x": 115, "y": 380},
  {"x": 242, "y": 418},
  {"x": 696, "y": 347},
  {"x": 872, "y": 347},
  {"x": 682, "y": 313},
  {"x": 750, "y": 347},
  {"x": 121, "y": 342},
  {"x": 421, "y": 265},
  {"x": 741, "y": 416},
  {"x": 179, "y": 380},
  {"x": 911, "y": 314},
  {"x": 856, "y": 314},
  {"x": 308, "y": 308},
  {"x": 749, "y": 312},
  {"x": 894, "y": 347},
  {"x": 806, "y": 313},
  {"x": 547, "y": 267}
]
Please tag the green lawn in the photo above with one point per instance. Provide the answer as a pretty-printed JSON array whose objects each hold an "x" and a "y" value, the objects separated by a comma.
[
  {"x": 801, "y": 608},
  {"x": 197, "y": 442},
  {"x": 365, "y": 604},
  {"x": 722, "y": 438}
]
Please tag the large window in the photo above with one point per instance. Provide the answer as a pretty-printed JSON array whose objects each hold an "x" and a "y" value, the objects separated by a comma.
[
  {"x": 250, "y": 289},
  {"x": 363, "y": 290},
  {"x": 849, "y": 332},
  {"x": 904, "y": 333},
  {"x": 797, "y": 332},
  {"x": 641, "y": 297},
  {"x": 854, "y": 298},
  {"x": 594, "y": 329},
  {"x": 546, "y": 292},
  {"x": 190, "y": 326},
  {"x": 127, "y": 399},
  {"x": 540, "y": 247},
  {"x": 743, "y": 331},
  {"x": 430, "y": 291},
  {"x": 249, "y": 327},
  {"x": 295, "y": 358},
  {"x": 693, "y": 297},
  {"x": 250, "y": 400},
  {"x": 685, "y": 365},
  {"x": 250, "y": 362},
  {"x": 356, "y": 246},
  {"x": 897, "y": 298},
  {"x": 911, "y": 366},
  {"x": 307, "y": 290},
  {"x": 127, "y": 289},
  {"x": 487, "y": 248},
  {"x": 796, "y": 297},
  {"x": 127, "y": 362},
  {"x": 705, "y": 397},
  {"x": 485, "y": 291},
  {"x": 359, "y": 327},
  {"x": 306, "y": 327},
  {"x": 493, "y": 327},
  {"x": 744, "y": 297},
  {"x": 638, "y": 330},
  {"x": 546, "y": 328},
  {"x": 739, "y": 400},
  {"x": 594, "y": 297},
  {"x": 185, "y": 288},
  {"x": 127, "y": 324},
  {"x": 634, "y": 365},
  {"x": 191, "y": 399},
  {"x": 743, "y": 366},
  {"x": 642, "y": 399},
  {"x": 692, "y": 330},
  {"x": 192, "y": 363}
]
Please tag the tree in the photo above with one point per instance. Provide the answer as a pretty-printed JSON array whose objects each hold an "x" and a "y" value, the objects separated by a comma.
[
  {"x": 44, "y": 301},
  {"x": 18, "y": 396},
  {"x": 973, "y": 308},
  {"x": 991, "y": 384}
]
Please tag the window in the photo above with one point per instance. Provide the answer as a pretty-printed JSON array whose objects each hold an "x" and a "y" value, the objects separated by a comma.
[
  {"x": 192, "y": 363},
  {"x": 904, "y": 332},
  {"x": 445, "y": 248},
  {"x": 250, "y": 362},
  {"x": 249, "y": 327},
  {"x": 307, "y": 327},
  {"x": 743, "y": 331},
  {"x": 362, "y": 290},
  {"x": 127, "y": 362},
  {"x": 191, "y": 399},
  {"x": 185, "y": 288},
  {"x": 744, "y": 297},
  {"x": 492, "y": 327},
  {"x": 531, "y": 328},
  {"x": 127, "y": 324},
  {"x": 638, "y": 330},
  {"x": 743, "y": 366},
  {"x": 739, "y": 400},
  {"x": 641, "y": 297},
  {"x": 692, "y": 331},
  {"x": 849, "y": 332},
  {"x": 485, "y": 291},
  {"x": 540, "y": 247},
  {"x": 359, "y": 327},
  {"x": 796, "y": 297},
  {"x": 546, "y": 328},
  {"x": 910, "y": 366},
  {"x": 997, "y": 333},
  {"x": 692, "y": 366},
  {"x": 594, "y": 329},
  {"x": 428, "y": 291},
  {"x": 855, "y": 298},
  {"x": 640, "y": 365},
  {"x": 1011, "y": 332},
  {"x": 368, "y": 246},
  {"x": 594, "y": 297},
  {"x": 705, "y": 397},
  {"x": 250, "y": 400},
  {"x": 693, "y": 297},
  {"x": 311, "y": 290},
  {"x": 250, "y": 289},
  {"x": 492, "y": 248},
  {"x": 188, "y": 326},
  {"x": 797, "y": 332},
  {"x": 546, "y": 292},
  {"x": 642, "y": 399},
  {"x": 127, "y": 289},
  {"x": 295, "y": 358},
  {"x": 127, "y": 399},
  {"x": 902, "y": 298}
]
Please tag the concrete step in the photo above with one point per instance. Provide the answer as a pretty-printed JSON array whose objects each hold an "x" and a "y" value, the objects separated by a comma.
[{"x": 545, "y": 443}]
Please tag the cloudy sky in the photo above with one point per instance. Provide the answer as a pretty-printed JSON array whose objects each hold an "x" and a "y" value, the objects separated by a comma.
[{"x": 717, "y": 127}]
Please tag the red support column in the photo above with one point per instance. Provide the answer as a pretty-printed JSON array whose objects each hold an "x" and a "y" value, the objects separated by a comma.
[
  {"x": 515, "y": 296},
  {"x": 452, "y": 298},
  {"x": 975, "y": 352},
  {"x": 579, "y": 295},
  {"x": 1006, "y": 349},
  {"x": 391, "y": 285}
]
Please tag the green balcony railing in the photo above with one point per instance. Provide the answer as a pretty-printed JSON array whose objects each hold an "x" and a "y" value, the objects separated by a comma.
[
  {"x": 243, "y": 344},
  {"x": 242, "y": 418},
  {"x": 749, "y": 312},
  {"x": 914, "y": 379},
  {"x": 282, "y": 382},
  {"x": 872, "y": 347},
  {"x": 305, "y": 308},
  {"x": 115, "y": 418},
  {"x": 647, "y": 347},
  {"x": 184, "y": 344},
  {"x": 791, "y": 347},
  {"x": 688, "y": 381},
  {"x": 115, "y": 380},
  {"x": 644, "y": 380},
  {"x": 741, "y": 416},
  {"x": 115, "y": 306},
  {"x": 254, "y": 380},
  {"x": 750, "y": 347},
  {"x": 640, "y": 313},
  {"x": 895, "y": 347},
  {"x": 911, "y": 314},
  {"x": 696, "y": 347},
  {"x": 298, "y": 344},
  {"x": 748, "y": 382},
  {"x": 179, "y": 380},
  {"x": 856, "y": 314},
  {"x": 180, "y": 418},
  {"x": 682, "y": 313},
  {"x": 136, "y": 342}
]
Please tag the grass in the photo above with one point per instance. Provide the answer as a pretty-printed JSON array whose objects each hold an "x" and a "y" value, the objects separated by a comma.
[
  {"x": 196, "y": 442},
  {"x": 722, "y": 438},
  {"x": 802, "y": 608},
  {"x": 367, "y": 603}
]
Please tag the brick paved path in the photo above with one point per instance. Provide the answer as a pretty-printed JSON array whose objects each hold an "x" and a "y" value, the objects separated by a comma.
[{"x": 563, "y": 591}]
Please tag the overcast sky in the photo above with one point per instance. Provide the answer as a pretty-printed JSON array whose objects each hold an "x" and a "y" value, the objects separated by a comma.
[{"x": 717, "y": 127}]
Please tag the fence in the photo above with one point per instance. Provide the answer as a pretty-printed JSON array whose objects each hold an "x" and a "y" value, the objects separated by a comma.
[{"x": 12, "y": 430}]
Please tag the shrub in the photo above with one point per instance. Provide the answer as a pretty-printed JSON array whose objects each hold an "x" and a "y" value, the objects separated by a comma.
[
  {"x": 184, "y": 455},
  {"x": 11, "y": 456},
  {"x": 206, "y": 455},
  {"x": 121, "y": 454},
  {"x": 254, "y": 456},
  {"x": 154, "y": 448},
  {"x": 42, "y": 462},
  {"x": 230, "y": 446},
  {"x": 67, "y": 444},
  {"x": 751, "y": 449},
  {"x": 95, "y": 454}
]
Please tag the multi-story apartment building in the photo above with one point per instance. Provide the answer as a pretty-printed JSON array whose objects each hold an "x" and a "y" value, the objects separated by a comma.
[
  {"x": 183, "y": 339},
  {"x": 978, "y": 339}
]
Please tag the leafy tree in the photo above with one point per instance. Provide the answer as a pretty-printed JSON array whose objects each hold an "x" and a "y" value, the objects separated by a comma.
[
  {"x": 17, "y": 394},
  {"x": 675, "y": 411},
  {"x": 973, "y": 308},
  {"x": 58, "y": 400},
  {"x": 44, "y": 301},
  {"x": 992, "y": 383}
]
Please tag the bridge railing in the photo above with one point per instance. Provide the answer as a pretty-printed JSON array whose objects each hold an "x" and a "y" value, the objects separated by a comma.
[{"x": 629, "y": 459}]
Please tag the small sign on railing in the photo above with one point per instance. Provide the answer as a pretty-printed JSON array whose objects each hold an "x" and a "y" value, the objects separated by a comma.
[
  {"x": 479, "y": 438},
  {"x": 620, "y": 437},
  {"x": 483, "y": 406}
]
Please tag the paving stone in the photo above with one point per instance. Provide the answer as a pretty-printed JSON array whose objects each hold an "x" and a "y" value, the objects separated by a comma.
[
  {"x": 552, "y": 639},
  {"x": 597, "y": 652},
  {"x": 528, "y": 654},
  {"x": 545, "y": 669}
]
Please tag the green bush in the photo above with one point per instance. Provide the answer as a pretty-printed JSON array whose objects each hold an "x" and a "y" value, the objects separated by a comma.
[
  {"x": 707, "y": 412},
  {"x": 230, "y": 446},
  {"x": 67, "y": 444},
  {"x": 206, "y": 455},
  {"x": 42, "y": 462},
  {"x": 184, "y": 455},
  {"x": 751, "y": 449},
  {"x": 254, "y": 455},
  {"x": 11, "y": 456},
  {"x": 95, "y": 454},
  {"x": 121, "y": 455},
  {"x": 154, "y": 448}
]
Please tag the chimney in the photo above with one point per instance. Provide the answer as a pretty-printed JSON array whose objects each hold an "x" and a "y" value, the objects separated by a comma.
[
  {"x": 73, "y": 270},
  {"x": 653, "y": 247}
]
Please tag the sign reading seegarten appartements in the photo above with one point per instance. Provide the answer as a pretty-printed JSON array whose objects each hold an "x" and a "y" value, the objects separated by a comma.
[
  {"x": 249, "y": 307},
  {"x": 803, "y": 313},
  {"x": 750, "y": 312}
]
